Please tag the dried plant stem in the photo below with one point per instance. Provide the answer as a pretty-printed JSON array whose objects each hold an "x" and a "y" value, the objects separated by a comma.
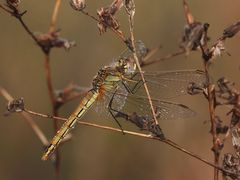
[
  {"x": 54, "y": 110},
  {"x": 211, "y": 102},
  {"x": 19, "y": 17},
  {"x": 50, "y": 87},
  {"x": 28, "y": 118},
  {"x": 140, "y": 69},
  {"x": 187, "y": 13},
  {"x": 169, "y": 56},
  {"x": 54, "y": 16},
  {"x": 5, "y": 9},
  {"x": 147, "y": 136},
  {"x": 49, "y": 80}
]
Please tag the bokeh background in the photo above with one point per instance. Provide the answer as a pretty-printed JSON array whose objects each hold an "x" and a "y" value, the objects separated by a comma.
[{"x": 96, "y": 153}]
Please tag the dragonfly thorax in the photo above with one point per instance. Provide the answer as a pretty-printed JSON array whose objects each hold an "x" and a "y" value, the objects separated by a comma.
[{"x": 125, "y": 66}]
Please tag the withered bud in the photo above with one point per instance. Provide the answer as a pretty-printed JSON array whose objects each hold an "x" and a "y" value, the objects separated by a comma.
[
  {"x": 106, "y": 20},
  {"x": 232, "y": 30},
  {"x": 50, "y": 40},
  {"x": 16, "y": 105},
  {"x": 66, "y": 44},
  {"x": 13, "y": 3},
  {"x": 78, "y": 5}
]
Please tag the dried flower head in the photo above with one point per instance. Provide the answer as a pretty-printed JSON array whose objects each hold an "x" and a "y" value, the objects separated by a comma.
[
  {"x": 106, "y": 20},
  {"x": 232, "y": 30},
  {"x": 78, "y": 5},
  {"x": 13, "y": 3},
  {"x": 144, "y": 123},
  {"x": 50, "y": 40},
  {"x": 16, "y": 105},
  {"x": 195, "y": 34},
  {"x": 231, "y": 164}
]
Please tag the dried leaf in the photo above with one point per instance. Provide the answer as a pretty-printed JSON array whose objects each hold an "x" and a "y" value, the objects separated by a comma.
[
  {"x": 232, "y": 30},
  {"x": 188, "y": 14},
  {"x": 106, "y": 20}
]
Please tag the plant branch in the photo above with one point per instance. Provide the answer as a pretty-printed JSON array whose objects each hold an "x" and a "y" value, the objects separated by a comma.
[
  {"x": 54, "y": 16},
  {"x": 147, "y": 136},
  {"x": 54, "y": 109},
  {"x": 169, "y": 56},
  {"x": 131, "y": 26},
  {"x": 38, "y": 132}
]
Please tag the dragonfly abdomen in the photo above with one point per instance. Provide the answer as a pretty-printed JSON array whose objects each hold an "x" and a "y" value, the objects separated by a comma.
[{"x": 85, "y": 104}]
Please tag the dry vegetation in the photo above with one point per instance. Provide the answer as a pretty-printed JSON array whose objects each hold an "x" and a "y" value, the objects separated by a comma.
[{"x": 195, "y": 38}]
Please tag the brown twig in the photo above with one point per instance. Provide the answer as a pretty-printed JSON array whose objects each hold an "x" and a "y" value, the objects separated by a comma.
[
  {"x": 211, "y": 106},
  {"x": 147, "y": 136},
  {"x": 50, "y": 86},
  {"x": 131, "y": 27},
  {"x": 54, "y": 16},
  {"x": 5, "y": 9},
  {"x": 19, "y": 17},
  {"x": 188, "y": 15},
  {"x": 28, "y": 118},
  {"x": 169, "y": 56},
  {"x": 54, "y": 109}
]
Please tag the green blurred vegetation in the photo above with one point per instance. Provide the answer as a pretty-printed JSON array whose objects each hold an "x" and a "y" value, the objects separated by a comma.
[{"x": 95, "y": 153}]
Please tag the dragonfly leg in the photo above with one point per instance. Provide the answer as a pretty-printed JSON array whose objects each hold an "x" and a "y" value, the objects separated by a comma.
[
  {"x": 134, "y": 89},
  {"x": 112, "y": 110}
]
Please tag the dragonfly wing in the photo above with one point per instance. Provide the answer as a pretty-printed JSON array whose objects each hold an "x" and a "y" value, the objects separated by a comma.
[
  {"x": 165, "y": 85},
  {"x": 164, "y": 110}
]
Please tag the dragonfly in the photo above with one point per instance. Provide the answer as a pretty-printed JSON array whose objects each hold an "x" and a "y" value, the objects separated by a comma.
[{"x": 120, "y": 85}]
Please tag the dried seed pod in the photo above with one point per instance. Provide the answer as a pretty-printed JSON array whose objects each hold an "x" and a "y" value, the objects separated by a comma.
[
  {"x": 16, "y": 105},
  {"x": 78, "y": 5},
  {"x": 232, "y": 30}
]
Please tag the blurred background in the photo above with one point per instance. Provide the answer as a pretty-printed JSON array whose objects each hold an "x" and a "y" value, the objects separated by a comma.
[{"x": 95, "y": 153}]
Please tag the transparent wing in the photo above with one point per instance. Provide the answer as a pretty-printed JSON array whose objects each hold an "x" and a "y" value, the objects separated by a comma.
[
  {"x": 164, "y": 85},
  {"x": 164, "y": 110},
  {"x": 119, "y": 96},
  {"x": 141, "y": 50}
]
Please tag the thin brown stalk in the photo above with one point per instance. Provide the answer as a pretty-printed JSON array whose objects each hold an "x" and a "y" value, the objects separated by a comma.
[
  {"x": 147, "y": 136},
  {"x": 169, "y": 56},
  {"x": 5, "y": 9},
  {"x": 211, "y": 106},
  {"x": 54, "y": 16},
  {"x": 139, "y": 68},
  {"x": 27, "y": 29},
  {"x": 187, "y": 13},
  {"x": 37, "y": 131},
  {"x": 49, "y": 80},
  {"x": 46, "y": 51},
  {"x": 54, "y": 110}
]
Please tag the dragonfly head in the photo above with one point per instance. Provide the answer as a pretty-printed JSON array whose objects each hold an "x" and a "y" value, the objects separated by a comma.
[{"x": 126, "y": 66}]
